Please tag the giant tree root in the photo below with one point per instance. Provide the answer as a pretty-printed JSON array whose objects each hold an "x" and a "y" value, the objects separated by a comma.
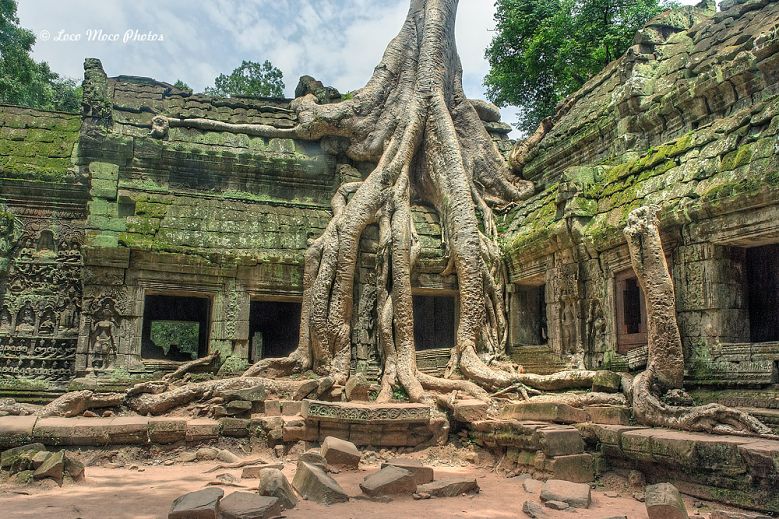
[{"x": 665, "y": 361}]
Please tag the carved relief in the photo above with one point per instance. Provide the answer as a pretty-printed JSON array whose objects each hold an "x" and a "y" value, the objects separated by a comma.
[{"x": 103, "y": 335}]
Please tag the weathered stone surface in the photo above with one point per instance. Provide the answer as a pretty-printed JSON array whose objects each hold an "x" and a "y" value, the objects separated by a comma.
[
  {"x": 449, "y": 487},
  {"x": 663, "y": 501},
  {"x": 559, "y": 441},
  {"x": 487, "y": 111},
  {"x": 74, "y": 467},
  {"x": 545, "y": 411},
  {"x": 421, "y": 473},
  {"x": 578, "y": 468},
  {"x": 388, "y": 481},
  {"x": 340, "y": 453},
  {"x": 357, "y": 388},
  {"x": 274, "y": 483},
  {"x": 606, "y": 382},
  {"x": 201, "y": 504},
  {"x": 53, "y": 467},
  {"x": 532, "y": 486},
  {"x": 533, "y": 510},
  {"x": 314, "y": 484},
  {"x": 313, "y": 456},
  {"x": 577, "y": 495},
  {"x": 247, "y": 505},
  {"x": 468, "y": 411},
  {"x": 11, "y": 456},
  {"x": 15, "y": 430},
  {"x": 557, "y": 505},
  {"x": 610, "y": 415}
]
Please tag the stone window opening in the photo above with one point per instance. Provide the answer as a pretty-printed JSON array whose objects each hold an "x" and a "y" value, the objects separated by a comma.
[
  {"x": 763, "y": 292},
  {"x": 529, "y": 311},
  {"x": 175, "y": 328},
  {"x": 435, "y": 321},
  {"x": 274, "y": 327},
  {"x": 630, "y": 311}
]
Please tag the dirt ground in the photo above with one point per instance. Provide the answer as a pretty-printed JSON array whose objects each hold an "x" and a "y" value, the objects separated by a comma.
[{"x": 137, "y": 489}]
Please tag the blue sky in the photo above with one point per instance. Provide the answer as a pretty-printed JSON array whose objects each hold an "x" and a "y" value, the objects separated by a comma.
[{"x": 337, "y": 41}]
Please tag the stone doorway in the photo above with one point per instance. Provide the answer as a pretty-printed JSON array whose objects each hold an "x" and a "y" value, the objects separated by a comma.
[
  {"x": 435, "y": 319},
  {"x": 175, "y": 328},
  {"x": 274, "y": 327},
  {"x": 763, "y": 292},
  {"x": 630, "y": 311}
]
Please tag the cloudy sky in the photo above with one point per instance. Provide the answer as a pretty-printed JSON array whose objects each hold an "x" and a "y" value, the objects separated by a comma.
[{"x": 337, "y": 41}]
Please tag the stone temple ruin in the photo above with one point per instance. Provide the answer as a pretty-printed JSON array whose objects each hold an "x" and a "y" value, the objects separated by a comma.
[{"x": 133, "y": 239}]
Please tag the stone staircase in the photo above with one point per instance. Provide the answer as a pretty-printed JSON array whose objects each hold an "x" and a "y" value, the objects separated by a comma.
[{"x": 537, "y": 359}]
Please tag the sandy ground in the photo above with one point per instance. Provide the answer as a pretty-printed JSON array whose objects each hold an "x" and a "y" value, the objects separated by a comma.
[{"x": 125, "y": 493}]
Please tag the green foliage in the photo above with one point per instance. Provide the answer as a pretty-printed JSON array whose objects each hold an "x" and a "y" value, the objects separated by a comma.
[
  {"x": 250, "y": 79},
  {"x": 23, "y": 81},
  {"x": 545, "y": 50},
  {"x": 183, "y": 334},
  {"x": 182, "y": 86}
]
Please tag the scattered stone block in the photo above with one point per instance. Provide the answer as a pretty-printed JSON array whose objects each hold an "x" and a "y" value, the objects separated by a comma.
[
  {"x": 16, "y": 429},
  {"x": 340, "y": 453},
  {"x": 557, "y": 505},
  {"x": 187, "y": 457},
  {"x": 533, "y": 510},
  {"x": 273, "y": 483},
  {"x": 358, "y": 388},
  {"x": 53, "y": 467},
  {"x": 578, "y": 468},
  {"x": 38, "y": 458},
  {"x": 389, "y": 480},
  {"x": 8, "y": 458},
  {"x": 73, "y": 467},
  {"x": 663, "y": 501},
  {"x": 255, "y": 471},
  {"x": 202, "y": 504},
  {"x": 577, "y": 495},
  {"x": 313, "y": 456},
  {"x": 314, "y": 484},
  {"x": 421, "y": 473},
  {"x": 248, "y": 505},
  {"x": 532, "y": 486},
  {"x": 450, "y": 487}
]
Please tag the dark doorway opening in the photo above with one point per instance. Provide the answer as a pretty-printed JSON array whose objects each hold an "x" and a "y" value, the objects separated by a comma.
[
  {"x": 434, "y": 322},
  {"x": 631, "y": 313},
  {"x": 763, "y": 290},
  {"x": 274, "y": 327},
  {"x": 531, "y": 328},
  {"x": 175, "y": 328}
]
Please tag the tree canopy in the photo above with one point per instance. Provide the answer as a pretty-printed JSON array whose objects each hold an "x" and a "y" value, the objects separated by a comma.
[
  {"x": 544, "y": 50},
  {"x": 249, "y": 79},
  {"x": 23, "y": 81}
]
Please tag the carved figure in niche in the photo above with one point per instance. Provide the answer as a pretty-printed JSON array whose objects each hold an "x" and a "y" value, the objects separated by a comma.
[
  {"x": 45, "y": 241},
  {"x": 25, "y": 319},
  {"x": 103, "y": 335},
  {"x": 69, "y": 251},
  {"x": 5, "y": 319},
  {"x": 568, "y": 325},
  {"x": 597, "y": 328},
  {"x": 27, "y": 249},
  {"x": 48, "y": 322}
]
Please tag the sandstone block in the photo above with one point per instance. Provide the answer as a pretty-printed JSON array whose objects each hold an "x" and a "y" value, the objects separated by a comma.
[
  {"x": 273, "y": 483},
  {"x": 314, "y": 484},
  {"x": 313, "y": 456},
  {"x": 202, "y": 429},
  {"x": 468, "y": 411},
  {"x": 557, "y": 505},
  {"x": 606, "y": 382},
  {"x": 340, "y": 452},
  {"x": 164, "y": 429},
  {"x": 389, "y": 481},
  {"x": 663, "y": 501},
  {"x": 15, "y": 430},
  {"x": 10, "y": 457},
  {"x": 577, "y": 495},
  {"x": 358, "y": 388},
  {"x": 421, "y": 473},
  {"x": 578, "y": 468},
  {"x": 609, "y": 415},
  {"x": 73, "y": 467},
  {"x": 53, "y": 467},
  {"x": 546, "y": 412},
  {"x": 533, "y": 510},
  {"x": 202, "y": 504},
  {"x": 248, "y": 505},
  {"x": 560, "y": 441},
  {"x": 450, "y": 487}
]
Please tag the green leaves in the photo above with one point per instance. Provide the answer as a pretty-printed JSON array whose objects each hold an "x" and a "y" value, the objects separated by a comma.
[
  {"x": 23, "y": 81},
  {"x": 250, "y": 79},
  {"x": 544, "y": 50}
]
